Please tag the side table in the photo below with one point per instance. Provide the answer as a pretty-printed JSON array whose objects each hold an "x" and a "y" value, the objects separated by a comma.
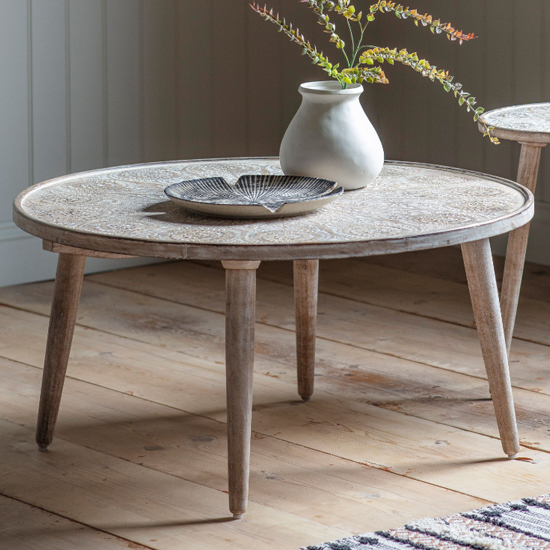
[
  {"x": 529, "y": 125},
  {"x": 123, "y": 211}
]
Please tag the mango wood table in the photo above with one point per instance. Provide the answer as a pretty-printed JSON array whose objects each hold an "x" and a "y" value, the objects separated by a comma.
[
  {"x": 529, "y": 125},
  {"x": 123, "y": 211}
]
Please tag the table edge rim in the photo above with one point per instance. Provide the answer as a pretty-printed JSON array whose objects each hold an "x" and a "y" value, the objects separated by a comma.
[
  {"x": 510, "y": 134},
  {"x": 167, "y": 249}
]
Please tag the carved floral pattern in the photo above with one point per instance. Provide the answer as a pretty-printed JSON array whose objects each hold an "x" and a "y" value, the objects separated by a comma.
[
  {"x": 405, "y": 200},
  {"x": 522, "y": 118}
]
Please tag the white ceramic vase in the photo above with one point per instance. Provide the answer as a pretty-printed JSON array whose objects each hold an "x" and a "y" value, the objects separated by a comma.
[{"x": 331, "y": 137}]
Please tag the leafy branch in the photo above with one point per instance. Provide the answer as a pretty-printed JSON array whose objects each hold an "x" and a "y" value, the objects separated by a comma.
[
  {"x": 426, "y": 20},
  {"x": 422, "y": 66},
  {"x": 351, "y": 75},
  {"x": 365, "y": 66}
]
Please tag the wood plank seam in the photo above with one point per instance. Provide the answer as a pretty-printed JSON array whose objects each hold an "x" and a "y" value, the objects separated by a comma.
[
  {"x": 380, "y": 352},
  {"x": 265, "y": 324},
  {"x": 305, "y": 446},
  {"x": 469, "y": 327},
  {"x": 189, "y": 412},
  {"x": 373, "y": 465},
  {"x": 366, "y": 302},
  {"x": 136, "y": 545},
  {"x": 369, "y": 464},
  {"x": 333, "y": 455}
]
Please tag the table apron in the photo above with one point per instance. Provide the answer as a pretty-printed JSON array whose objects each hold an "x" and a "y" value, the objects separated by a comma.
[{"x": 181, "y": 251}]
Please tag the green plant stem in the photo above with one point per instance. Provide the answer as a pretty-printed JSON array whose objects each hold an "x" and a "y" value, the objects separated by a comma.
[
  {"x": 352, "y": 43},
  {"x": 359, "y": 44},
  {"x": 343, "y": 84},
  {"x": 346, "y": 56}
]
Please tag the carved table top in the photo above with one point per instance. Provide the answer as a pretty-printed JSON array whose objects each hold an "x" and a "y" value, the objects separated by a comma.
[
  {"x": 525, "y": 123},
  {"x": 410, "y": 206}
]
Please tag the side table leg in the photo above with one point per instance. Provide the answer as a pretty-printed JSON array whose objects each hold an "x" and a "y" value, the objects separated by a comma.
[
  {"x": 306, "y": 286},
  {"x": 484, "y": 294},
  {"x": 517, "y": 244},
  {"x": 240, "y": 315},
  {"x": 68, "y": 284}
]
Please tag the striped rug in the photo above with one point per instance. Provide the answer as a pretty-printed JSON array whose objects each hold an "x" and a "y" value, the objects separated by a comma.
[{"x": 522, "y": 524}]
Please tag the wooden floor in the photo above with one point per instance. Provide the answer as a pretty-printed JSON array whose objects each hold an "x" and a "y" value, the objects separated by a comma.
[{"x": 401, "y": 425}]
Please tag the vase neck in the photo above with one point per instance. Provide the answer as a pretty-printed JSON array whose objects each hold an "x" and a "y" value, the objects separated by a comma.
[{"x": 329, "y": 91}]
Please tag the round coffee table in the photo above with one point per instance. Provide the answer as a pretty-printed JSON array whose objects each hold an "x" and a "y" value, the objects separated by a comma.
[
  {"x": 530, "y": 126},
  {"x": 123, "y": 211}
]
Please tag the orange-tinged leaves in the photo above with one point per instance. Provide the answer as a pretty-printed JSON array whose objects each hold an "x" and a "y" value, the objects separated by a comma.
[{"x": 367, "y": 69}]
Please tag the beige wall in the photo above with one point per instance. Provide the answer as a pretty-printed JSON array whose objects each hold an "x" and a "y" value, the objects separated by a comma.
[{"x": 90, "y": 83}]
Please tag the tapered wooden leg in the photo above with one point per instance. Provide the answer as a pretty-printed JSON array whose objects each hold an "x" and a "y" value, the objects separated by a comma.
[
  {"x": 68, "y": 284},
  {"x": 484, "y": 294},
  {"x": 306, "y": 286},
  {"x": 517, "y": 244},
  {"x": 240, "y": 315}
]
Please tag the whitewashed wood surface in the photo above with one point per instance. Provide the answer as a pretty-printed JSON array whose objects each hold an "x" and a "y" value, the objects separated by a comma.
[
  {"x": 528, "y": 123},
  {"x": 409, "y": 206}
]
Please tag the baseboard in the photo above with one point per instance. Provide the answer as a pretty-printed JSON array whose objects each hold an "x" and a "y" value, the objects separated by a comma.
[
  {"x": 10, "y": 232},
  {"x": 22, "y": 259}
]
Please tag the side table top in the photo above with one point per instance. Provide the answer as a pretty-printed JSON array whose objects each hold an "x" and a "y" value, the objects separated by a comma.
[
  {"x": 525, "y": 123},
  {"x": 410, "y": 206}
]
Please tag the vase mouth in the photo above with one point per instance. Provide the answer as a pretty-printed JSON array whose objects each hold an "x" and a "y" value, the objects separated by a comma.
[{"x": 329, "y": 87}]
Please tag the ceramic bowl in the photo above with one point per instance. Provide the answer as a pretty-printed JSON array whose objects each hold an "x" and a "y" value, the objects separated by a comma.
[{"x": 254, "y": 196}]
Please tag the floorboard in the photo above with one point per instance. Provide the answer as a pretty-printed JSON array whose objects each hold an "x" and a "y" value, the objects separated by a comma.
[
  {"x": 192, "y": 447},
  {"x": 401, "y": 424},
  {"x": 195, "y": 325},
  {"x": 25, "y": 527}
]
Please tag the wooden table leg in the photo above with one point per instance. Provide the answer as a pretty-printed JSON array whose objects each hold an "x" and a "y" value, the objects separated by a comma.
[
  {"x": 68, "y": 284},
  {"x": 484, "y": 294},
  {"x": 517, "y": 244},
  {"x": 306, "y": 286},
  {"x": 240, "y": 315}
]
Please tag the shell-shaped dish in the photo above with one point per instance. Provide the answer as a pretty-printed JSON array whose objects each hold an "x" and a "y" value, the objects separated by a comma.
[{"x": 254, "y": 196}]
